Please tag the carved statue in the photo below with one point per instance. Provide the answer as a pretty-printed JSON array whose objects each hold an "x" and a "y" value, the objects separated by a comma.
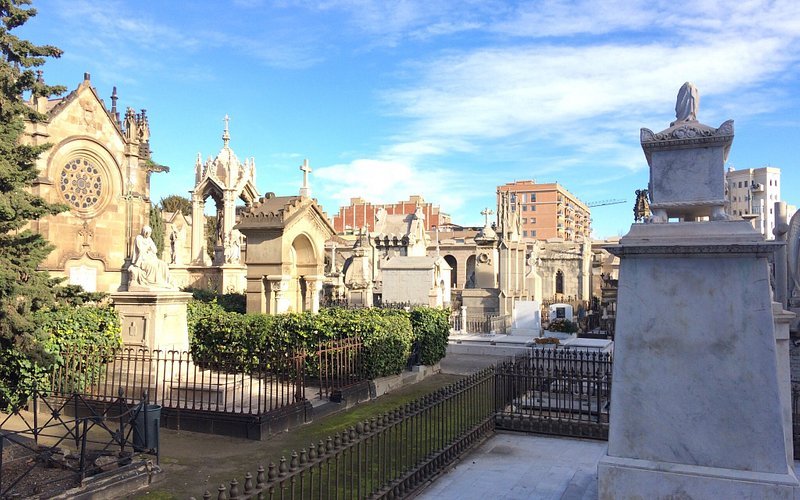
[
  {"x": 793, "y": 255},
  {"x": 641, "y": 210},
  {"x": 687, "y": 104},
  {"x": 233, "y": 247},
  {"x": 173, "y": 245},
  {"x": 147, "y": 271}
]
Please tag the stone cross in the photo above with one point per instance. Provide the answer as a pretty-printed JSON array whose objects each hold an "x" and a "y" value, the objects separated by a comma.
[
  {"x": 87, "y": 233},
  {"x": 306, "y": 169},
  {"x": 486, "y": 213},
  {"x": 225, "y": 135}
]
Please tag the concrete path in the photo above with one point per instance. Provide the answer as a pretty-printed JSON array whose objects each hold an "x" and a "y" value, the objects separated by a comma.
[{"x": 522, "y": 466}]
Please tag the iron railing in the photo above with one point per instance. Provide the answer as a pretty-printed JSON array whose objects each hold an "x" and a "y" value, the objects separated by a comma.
[
  {"x": 173, "y": 379},
  {"x": 339, "y": 366},
  {"x": 44, "y": 453},
  {"x": 388, "y": 456},
  {"x": 555, "y": 391}
]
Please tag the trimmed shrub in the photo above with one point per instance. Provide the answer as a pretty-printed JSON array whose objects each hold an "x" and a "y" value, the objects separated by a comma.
[
  {"x": 386, "y": 336},
  {"x": 431, "y": 329}
]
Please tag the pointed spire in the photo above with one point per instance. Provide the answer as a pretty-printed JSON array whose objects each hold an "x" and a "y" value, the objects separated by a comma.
[
  {"x": 114, "y": 112},
  {"x": 226, "y": 136}
]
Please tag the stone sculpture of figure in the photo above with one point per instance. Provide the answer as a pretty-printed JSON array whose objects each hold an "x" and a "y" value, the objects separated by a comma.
[
  {"x": 233, "y": 247},
  {"x": 147, "y": 271},
  {"x": 173, "y": 246},
  {"x": 687, "y": 104},
  {"x": 793, "y": 256},
  {"x": 641, "y": 211}
]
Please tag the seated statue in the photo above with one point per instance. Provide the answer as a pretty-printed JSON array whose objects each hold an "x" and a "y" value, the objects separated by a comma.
[{"x": 147, "y": 271}]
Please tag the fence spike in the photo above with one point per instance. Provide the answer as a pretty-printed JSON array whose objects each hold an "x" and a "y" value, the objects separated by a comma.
[
  {"x": 248, "y": 482},
  {"x": 353, "y": 435},
  {"x": 321, "y": 448},
  {"x": 303, "y": 459},
  {"x": 329, "y": 445},
  {"x": 359, "y": 428},
  {"x": 207, "y": 495},
  {"x": 272, "y": 473},
  {"x": 282, "y": 468},
  {"x": 260, "y": 477},
  {"x": 337, "y": 441},
  {"x": 222, "y": 495},
  {"x": 234, "y": 494},
  {"x": 293, "y": 463},
  {"x": 312, "y": 452}
]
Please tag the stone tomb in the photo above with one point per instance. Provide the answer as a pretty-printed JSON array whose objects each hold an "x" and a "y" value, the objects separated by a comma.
[{"x": 153, "y": 319}]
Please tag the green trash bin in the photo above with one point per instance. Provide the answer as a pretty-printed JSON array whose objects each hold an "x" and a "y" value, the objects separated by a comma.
[{"x": 146, "y": 423}]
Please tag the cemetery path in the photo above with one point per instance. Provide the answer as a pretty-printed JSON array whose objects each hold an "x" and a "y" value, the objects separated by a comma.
[{"x": 193, "y": 462}]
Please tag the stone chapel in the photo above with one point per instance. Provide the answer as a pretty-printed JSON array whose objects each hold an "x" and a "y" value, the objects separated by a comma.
[{"x": 99, "y": 166}]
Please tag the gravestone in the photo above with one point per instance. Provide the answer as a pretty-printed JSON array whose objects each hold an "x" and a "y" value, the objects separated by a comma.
[
  {"x": 527, "y": 318},
  {"x": 560, "y": 312},
  {"x": 698, "y": 404}
]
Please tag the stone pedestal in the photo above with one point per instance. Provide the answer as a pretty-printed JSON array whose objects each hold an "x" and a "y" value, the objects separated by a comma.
[
  {"x": 154, "y": 319},
  {"x": 697, "y": 404},
  {"x": 233, "y": 278}
]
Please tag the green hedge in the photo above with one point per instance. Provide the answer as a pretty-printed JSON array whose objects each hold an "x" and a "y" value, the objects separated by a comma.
[
  {"x": 241, "y": 341},
  {"x": 431, "y": 330},
  {"x": 63, "y": 330}
]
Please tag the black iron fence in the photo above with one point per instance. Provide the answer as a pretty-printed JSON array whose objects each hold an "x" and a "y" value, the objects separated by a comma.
[
  {"x": 339, "y": 366},
  {"x": 555, "y": 391},
  {"x": 43, "y": 452},
  {"x": 388, "y": 456},
  {"x": 173, "y": 379}
]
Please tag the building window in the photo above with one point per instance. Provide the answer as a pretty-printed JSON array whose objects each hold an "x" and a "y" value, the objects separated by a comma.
[
  {"x": 533, "y": 208},
  {"x": 524, "y": 208},
  {"x": 533, "y": 220},
  {"x": 533, "y": 234},
  {"x": 525, "y": 234},
  {"x": 532, "y": 196},
  {"x": 559, "y": 282}
]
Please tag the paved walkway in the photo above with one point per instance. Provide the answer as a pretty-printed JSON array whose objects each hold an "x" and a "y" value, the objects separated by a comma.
[{"x": 522, "y": 466}]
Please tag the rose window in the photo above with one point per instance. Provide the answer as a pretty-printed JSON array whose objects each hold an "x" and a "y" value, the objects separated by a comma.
[{"x": 81, "y": 183}]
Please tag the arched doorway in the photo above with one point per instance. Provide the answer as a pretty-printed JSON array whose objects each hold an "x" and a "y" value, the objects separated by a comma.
[
  {"x": 470, "y": 283},
  {"x": 453, "y": 263},
  {"x": 302, "y": 263}
]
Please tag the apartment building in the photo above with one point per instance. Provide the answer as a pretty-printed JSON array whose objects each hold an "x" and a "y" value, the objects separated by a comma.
[{"x": 549, "y": 211}]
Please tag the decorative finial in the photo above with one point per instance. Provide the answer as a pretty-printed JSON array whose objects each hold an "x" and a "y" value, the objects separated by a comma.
[
  {"x": 87, "y": 77},
  {"x": 226, "y": 136},
  {"x": 305, "y": 191}
]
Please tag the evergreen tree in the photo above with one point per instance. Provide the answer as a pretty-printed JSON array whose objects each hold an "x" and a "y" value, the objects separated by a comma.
[
  {"x": 158, "y": 227},
  {"x": 176, "y": 203},
  {"x": 23, "y": 289}
]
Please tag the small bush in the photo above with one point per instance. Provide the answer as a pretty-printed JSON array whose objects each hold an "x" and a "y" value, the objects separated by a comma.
[
  {"x": 93, "y": 330},
  {"x": 563, "y": 325}
]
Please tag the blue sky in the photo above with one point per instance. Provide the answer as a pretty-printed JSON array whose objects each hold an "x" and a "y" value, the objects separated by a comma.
[{"x": 447, "y": 99}]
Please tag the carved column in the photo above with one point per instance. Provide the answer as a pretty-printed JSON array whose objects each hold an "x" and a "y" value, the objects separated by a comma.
[
  {"x": 313, "y": 288},
  {"x": 198, "y": 229},
  {"x": 279, "y": 301}
]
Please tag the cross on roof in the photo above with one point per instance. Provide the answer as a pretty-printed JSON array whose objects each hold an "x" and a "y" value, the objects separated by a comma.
[
  {"x": 225, "y": 135},
  {"x": 306, "y": 169},
  {"x": 486, "y": 213}
]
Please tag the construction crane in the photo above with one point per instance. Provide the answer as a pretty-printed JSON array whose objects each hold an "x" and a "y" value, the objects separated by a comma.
[{"x": 605, "y": 202}]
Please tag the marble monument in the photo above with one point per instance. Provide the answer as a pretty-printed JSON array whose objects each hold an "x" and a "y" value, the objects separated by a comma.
[{"x": 700, "y": 404}]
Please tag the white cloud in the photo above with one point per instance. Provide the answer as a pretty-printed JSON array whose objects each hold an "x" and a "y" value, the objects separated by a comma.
[{"x": 385, "y": 181}]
